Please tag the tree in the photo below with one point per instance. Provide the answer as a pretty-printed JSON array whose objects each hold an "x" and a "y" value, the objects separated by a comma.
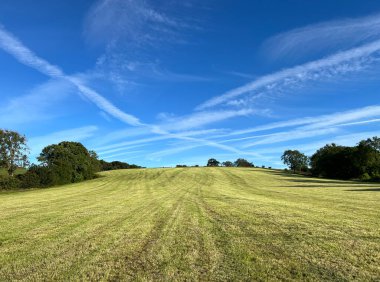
[
  {"x": 228, "y": 164},
  {"x": 213, "y": 162},
  {"x": 333, "y": 161},
  {"x": 68, "y": 162},
  {"x": 13, "y": 150},
  {"x": 243, "y": 163},
  {"x": 373, "y": 142},
  {"x": 295, "y": 160}
]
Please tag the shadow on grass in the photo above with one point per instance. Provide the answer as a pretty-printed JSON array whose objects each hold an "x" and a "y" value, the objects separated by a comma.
[
  {"x": 305, "y": 179},
  {"x": 365, "y": 190}
]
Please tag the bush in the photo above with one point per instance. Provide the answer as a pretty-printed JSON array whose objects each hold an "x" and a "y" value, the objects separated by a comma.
[
  {"x": 9, "y": 183},
  {"x": 365, "y": 177},
  {"x": 29, "y": 180}
]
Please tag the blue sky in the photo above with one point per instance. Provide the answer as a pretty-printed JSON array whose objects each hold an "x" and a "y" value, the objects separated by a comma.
[{"x": 160, "y": 83}]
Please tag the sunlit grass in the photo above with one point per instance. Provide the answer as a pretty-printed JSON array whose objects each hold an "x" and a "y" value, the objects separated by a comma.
[{"x": 192, "y": 224}]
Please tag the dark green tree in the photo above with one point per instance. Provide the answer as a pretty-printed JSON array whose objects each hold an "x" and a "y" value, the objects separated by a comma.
[
  {"x": 333, "y": 161},
  {"x": 228, "y": 164},
  {"x": 243, "y": 163},
  {"x": 13, "y": 150},
  {"x": 68, "y": 162},
  {"x": 295, "y": 160},
  {"x": 213, "y": 162}
]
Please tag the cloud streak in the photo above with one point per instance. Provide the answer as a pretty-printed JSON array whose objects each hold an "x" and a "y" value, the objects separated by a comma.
[
  {"x": 337, "y": 34},
  {"x": 339, "y": 118},
  {"x": 340, "y": 63},
  {"x": 13, "y": 46}
]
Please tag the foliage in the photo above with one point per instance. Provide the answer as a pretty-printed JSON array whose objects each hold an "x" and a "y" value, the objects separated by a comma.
[
  {"x": 13, "y": 151},
  {"x": 213, "y": 162},
  {"x": 9, "y": 183},
  {"x": 228, "y": 164},
  {"x": 66, "y": 162},
  {"x": 104, "y": 166},
  {"x": 295, "y": 160},
  {"x": 243, "y": 163},
  {"x": 30, "y": 179},
  {"x": 342, "y": 162}
]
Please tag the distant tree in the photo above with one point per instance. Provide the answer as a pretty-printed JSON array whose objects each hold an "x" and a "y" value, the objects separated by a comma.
[
  {"x": 95, "y": 160},
  {"x": 13, "y": 150},
  {"x": 335, "y": 161},
  {"x": 373, "y": 142},
  {"x": 342, "y": 162},
  {"x": 213, "y": 162},
  {"x": 228, "y": 164},
  {"x": 116, "y": 165},
  {"x": 295, "y": 160},
  {"x": 243, "y": 163},
  {"x": 68, "y": 162}
]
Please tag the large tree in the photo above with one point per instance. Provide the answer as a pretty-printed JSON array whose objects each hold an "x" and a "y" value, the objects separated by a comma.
[
  {"x": 243, "y": 163},
  {"x": 228, "y": 164},
  {"x": 295, "y": 160},
  {"x": 68, "y": 162},
  {"x": 13, "y": 150},
  {"x": 213, "y": 162}
]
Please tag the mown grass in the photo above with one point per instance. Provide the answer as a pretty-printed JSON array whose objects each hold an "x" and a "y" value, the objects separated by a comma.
[
  {"x": 3, "y": 171},
  {"x": 192, "y": 224}
]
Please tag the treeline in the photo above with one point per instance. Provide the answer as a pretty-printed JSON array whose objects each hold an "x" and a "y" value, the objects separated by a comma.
[
  {"x": 63, "y": 163},
  {"x": 237, "y": 163},
  {"x": 116, "y": 165},
  {"x": 340, "y": 162}
]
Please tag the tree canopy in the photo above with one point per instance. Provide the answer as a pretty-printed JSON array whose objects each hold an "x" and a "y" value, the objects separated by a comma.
[
  {"x": 243, "y": 163},
  {"x": 343, "y": 162},
  {"x": 68, "y": 162},
  {"x": 295, "y": 160},
  {"x": 213, "y": 162},
  {"x": 13, "y": 150},
  {"x": 228, "y": 164}
]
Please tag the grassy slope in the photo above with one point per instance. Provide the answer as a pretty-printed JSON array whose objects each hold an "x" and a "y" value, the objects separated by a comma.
[
  {"x": 3, "y": 171},
  {"x": 195, "y": 224}
]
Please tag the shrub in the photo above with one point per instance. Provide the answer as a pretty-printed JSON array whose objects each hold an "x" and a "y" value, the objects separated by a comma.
[
  {"x": 29, "y": 180},
  {"x": 365, "y": 177},
  {"x": 9, "y": 183}
]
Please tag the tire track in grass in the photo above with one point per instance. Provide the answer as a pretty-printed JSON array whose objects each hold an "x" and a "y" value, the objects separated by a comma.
[
  {"x": 79, "y": 242},
  {"x": 141, "y": 262},
  {"x": 148, "y": 208}
]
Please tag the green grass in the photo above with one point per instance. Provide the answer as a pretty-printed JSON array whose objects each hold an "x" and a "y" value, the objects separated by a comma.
[
  {"x": 3, "y": 171},
  {"x": 192, "y": 224}
]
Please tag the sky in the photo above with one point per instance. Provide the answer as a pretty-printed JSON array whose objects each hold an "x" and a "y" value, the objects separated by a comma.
[{"x": 160, "y": 83}]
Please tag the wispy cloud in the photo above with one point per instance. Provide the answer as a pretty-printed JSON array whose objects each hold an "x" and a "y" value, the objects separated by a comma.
[
  {"x": 325, "y": 36},
  {"x": 309, "y": 148},
  {"x": 37, "y": 143},
  {"x": 200, "y": 119},
  {"x": 291, "y": 135},
  {"x": 36, "y": 105},
  {"x": 111, "y": 21},
  {"x": 338, "y": 64},
  {"x": 130, "y": 30},
  {"x": 335, "y": 119},
  {"x": 14, "y": 47}
]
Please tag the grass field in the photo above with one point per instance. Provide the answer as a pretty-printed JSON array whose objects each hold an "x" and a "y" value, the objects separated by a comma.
[
  {"x": 192, "y": 224},
  {"x": 3, "y": 172}
]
